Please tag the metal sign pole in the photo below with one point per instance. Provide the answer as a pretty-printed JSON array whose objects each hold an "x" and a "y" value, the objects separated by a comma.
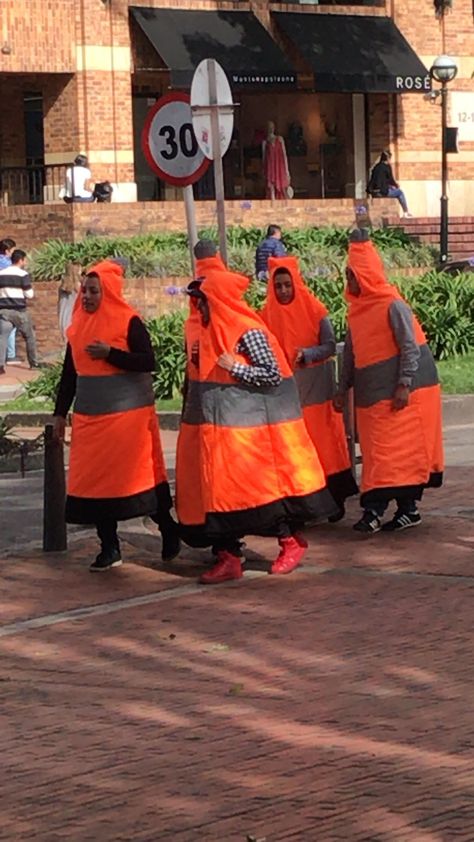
[
  {"x": 216, "y": 148},
  {"x": 190, "y": 209}
]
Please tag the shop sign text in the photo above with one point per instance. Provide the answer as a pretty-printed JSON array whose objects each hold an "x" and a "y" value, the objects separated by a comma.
[
  {"x": 258, "y": 79},
  {"x": 413, "y": 83}
]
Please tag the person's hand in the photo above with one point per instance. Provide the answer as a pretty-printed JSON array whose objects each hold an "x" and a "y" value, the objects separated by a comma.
[
  {"x": 401, "y": 397},
  {"x": 226, "y": 361},
  {"x": 59, "y": 428},
  {"x": 195, "y": 353},
  {"x": 338, "y": 402},
  {"x": 98, "y": 350},
  {"x": 299, "y": 356}
]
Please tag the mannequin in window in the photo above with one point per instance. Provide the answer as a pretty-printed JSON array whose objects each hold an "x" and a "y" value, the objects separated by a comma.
[{"x": 275, "y": 165}]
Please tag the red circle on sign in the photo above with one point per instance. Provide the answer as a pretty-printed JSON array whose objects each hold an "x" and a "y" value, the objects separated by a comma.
[{"x": 178, "y": 181}]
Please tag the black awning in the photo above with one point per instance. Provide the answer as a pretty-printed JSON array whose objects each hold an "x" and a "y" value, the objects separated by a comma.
[
  {"x": 355, "y": 54},
  {"x": 237, "y": 40}
]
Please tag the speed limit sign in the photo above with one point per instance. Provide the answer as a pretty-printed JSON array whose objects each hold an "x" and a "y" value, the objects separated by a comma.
[{"x": 169, "y": 142}]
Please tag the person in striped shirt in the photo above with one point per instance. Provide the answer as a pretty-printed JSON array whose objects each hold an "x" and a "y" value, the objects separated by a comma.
[{"x": 15, "y": 290}]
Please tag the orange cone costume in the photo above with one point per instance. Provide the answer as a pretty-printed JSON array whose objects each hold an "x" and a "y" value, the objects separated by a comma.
[
  {"x": 402, "y": 451},
  {"x": 257, "y": 464},
  {"x": 297, "y": 325},
  {"x": 188, "y": 474},
  {"x": 116, "y": 467}
]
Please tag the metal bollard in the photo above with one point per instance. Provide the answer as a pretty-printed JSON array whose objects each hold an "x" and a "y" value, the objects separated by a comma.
[
  {"x": 349, "y": 411},
  {"x": 54, "y": 494}
]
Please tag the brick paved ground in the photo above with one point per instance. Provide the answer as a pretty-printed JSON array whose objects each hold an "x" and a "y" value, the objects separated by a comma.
[{"x": 334, "y": 704}]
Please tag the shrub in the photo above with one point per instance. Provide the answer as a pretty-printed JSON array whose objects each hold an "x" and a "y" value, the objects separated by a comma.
[
  {"x": 47, "y": 383},
  {"x": 321, "y": 251},
  {"x": 167, "y": 338},
  {"x": 444, "y": 305}
]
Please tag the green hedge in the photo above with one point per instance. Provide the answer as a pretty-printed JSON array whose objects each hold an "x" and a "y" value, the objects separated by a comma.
[
  {"x": 322, "y": 251},
  {"x": 443, "y": 303}
]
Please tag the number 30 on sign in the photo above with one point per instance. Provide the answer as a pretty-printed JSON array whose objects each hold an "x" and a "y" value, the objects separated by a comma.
[{"x": 169, "y": 143}]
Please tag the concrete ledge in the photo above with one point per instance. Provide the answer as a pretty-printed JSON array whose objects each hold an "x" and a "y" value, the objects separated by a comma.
[
  {"x": 458, "y": 409},
  {"x": 168, "y": 420}
]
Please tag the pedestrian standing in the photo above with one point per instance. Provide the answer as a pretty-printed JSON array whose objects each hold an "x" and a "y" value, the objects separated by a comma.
[
  {"x": 397, "y": 394},
  {"x": 271, "y": 246},
  {"x": 301, "y": 323},
  {"x": 7, "y": 246},
  {"x": 116, "y": 468},
  {"x": 15, "y": 290},
  {"x": 260, "y": 473}
]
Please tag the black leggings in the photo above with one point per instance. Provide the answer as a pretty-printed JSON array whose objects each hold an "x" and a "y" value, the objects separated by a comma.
[
  {"x": 107, "y": 529},
  {"x": 405, "y": 506},
  {"x": 107, "y": 532}
]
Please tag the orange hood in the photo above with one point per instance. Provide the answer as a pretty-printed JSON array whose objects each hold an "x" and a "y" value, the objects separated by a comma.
[
  {"x": 230, "y": 317},
  {"x": 367, "y": 265},
  {"x": 108, "y": 324},
  {"x": 295, "y": 325}
]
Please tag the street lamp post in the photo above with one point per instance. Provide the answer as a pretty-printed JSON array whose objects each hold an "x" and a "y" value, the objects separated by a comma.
[{"x": 444, "y": 70}]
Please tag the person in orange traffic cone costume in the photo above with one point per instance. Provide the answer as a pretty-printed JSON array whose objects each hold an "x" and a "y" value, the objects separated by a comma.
[
  {"x": 188, "y": 444},
  {"x": 116, "y": 468},
  {"x": 301, "y": 324},
  {"x": 260, "y": 473},
  {"x": 396, "y": 391}
]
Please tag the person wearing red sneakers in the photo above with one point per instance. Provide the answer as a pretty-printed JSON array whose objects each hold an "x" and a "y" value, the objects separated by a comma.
[{"x": 259, "y": 471}]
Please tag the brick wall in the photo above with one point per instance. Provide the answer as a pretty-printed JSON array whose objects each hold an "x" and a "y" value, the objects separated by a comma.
[
  {"x": 148, "y": 217},
  {"x": 418, "y": 120},
  {"x": 31, "y": 225},
  {"x": 40, "y": 35}
]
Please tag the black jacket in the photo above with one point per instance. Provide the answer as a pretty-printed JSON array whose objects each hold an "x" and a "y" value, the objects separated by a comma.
[{"x": 381, "y": 178}]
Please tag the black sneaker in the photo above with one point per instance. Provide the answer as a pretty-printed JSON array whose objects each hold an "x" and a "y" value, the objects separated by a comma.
[
  {"x": 402, "y": 520},
  {"x": 369, "y": 523},
  {"x": 106, "y": 560}
]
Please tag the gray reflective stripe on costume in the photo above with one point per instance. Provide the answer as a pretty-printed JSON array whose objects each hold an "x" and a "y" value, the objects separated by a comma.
[
  {"x": 237, "y": 405},
  {"x": 377, "y": 382},
  {"x": 316, "y": 384},
  {"x": 104, "y": 394}
]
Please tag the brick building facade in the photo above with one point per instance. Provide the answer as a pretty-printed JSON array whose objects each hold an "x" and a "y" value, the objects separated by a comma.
[{"x": 79, "y": 75}]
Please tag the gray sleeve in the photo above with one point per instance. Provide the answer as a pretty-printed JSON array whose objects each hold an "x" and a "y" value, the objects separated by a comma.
[
  {"x": 401, "y": 321},
  {"x": 326, "y": 347},
  {"x": 346, "y": 380}
]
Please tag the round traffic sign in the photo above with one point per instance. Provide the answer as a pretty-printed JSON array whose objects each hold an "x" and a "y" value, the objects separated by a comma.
[
  {"x": 201, "y": 107},
  {"x": 169, "y": 143}
]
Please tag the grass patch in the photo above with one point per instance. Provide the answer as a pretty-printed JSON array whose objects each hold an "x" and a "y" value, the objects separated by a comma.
[
  {"x": 170, "y": 405},
  {"x": 25, "y": 404},
  {"x": 457, "y": 375}
]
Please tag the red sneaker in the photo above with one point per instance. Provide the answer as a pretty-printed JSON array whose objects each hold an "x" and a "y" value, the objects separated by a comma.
[
  {"x": 290, "y": 556},
  {"x": 228, "y": 567}
]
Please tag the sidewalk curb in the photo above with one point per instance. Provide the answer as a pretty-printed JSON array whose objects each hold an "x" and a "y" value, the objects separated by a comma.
[{"x": 457, "y": 409}]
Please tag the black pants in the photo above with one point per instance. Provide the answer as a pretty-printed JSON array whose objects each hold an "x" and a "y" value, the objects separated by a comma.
[
  {"x": 107, "y": 529},
  {"x": 233, "y": 543},
  {"x": 107, "y": 532},
  {"x": 21, "y": 319},
  {"x": 405, "y": 506}
]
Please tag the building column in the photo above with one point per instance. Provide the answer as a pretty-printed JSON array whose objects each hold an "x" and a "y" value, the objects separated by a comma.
[
  {"x": 360, "y": 162},
  {"x": 91, "y": 112}
]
